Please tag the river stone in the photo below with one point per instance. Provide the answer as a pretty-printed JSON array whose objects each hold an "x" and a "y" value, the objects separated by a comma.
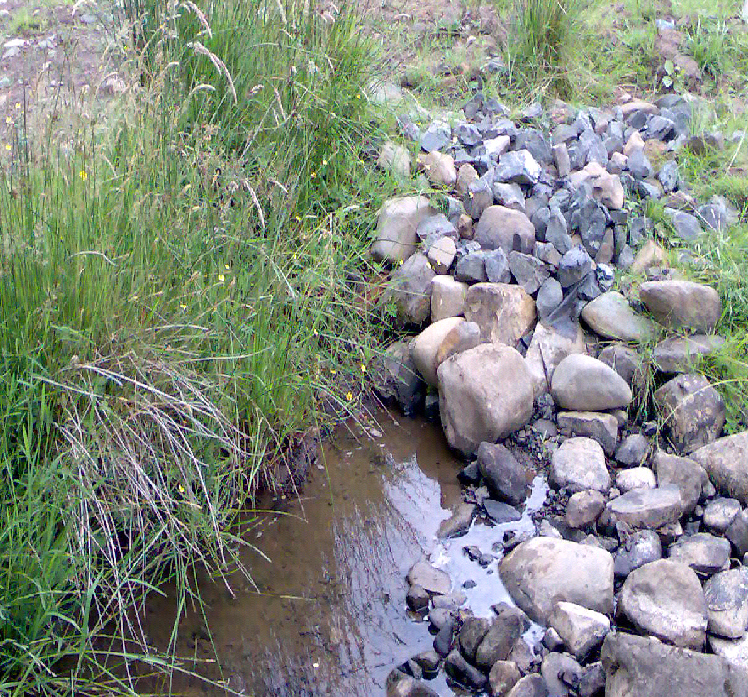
[
  {"x": 529, "y": 686},
  {"x": 506, "y": 229},
  {"x": 547, "y": 349},
  {"x": 737, "y": 533},
  {"x": 635, "y": 478},
  {"x": 583, "y": 508},
  {"x": 583, "y": 383},
  {"x": 505, "y": 477},
  {"x": 434, "y": 580},
  {"x": 394, "y": 158},
  {"x": 648, "y": 508},
  {"x": 471, "y": 635},
  {"x": 505, "y": 313},
  {"x": 601, "y": 427},
  {"x": 501, "y": 636},
  {"x": 401, "y": 685},
  {"x": 447, "y": 297},
  {"x": 503, "y": 677},
  {"x": 441, "y": 254},
  {"x": 464, "y": 336},
  {"x": 485, "y": 394},
  {"x": 678, "y": 354},
  {"x": 580, "y": 629},
  {"x": 461, "y": 671},
  {"x": 682, "y": 304},
  {"x": 627, "y": 363},
  {"x": 703, "y": 552},
  {"x": 579, "y": 464},
  {"x": 396, "y": 377},
  {"x": 439, "y": 168},
  {"x": 640, "y": 548},
  {"x": 396, "y": 227},
  {"x": 410, "y": 288},
  {"x": 458, "y": 523},
  {"x": 664, "y": 598},
  {"x": 719, "y": 513},
  {"x": 726, "y": 596},
  {"x": 611, "y": 317},
  {"x": 542, "y": 571},
  {"x": 726, "y": 463},
  {"x": 500, "y": 512},
  {"x": 643, "y": 666},
  {"x": 685, "y": 473},
  {"x": 424, "y": 347},
  {"x": 633, "y": 450},
  {"x": 693, "y": 411}
]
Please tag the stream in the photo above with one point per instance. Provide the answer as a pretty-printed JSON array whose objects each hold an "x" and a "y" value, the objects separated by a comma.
[{"x": 328, "y": 614}]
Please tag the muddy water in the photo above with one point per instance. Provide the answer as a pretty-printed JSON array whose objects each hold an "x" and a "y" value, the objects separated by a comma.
[{"x": 328, "y": 614}]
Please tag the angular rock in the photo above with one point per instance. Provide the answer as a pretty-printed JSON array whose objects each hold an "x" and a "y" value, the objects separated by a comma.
[
  {"x": 479, "y": 198},
  {"x": 502, "y": 678},
  {"x": 734, "y": 651},
  {"x": 679, "y": 354},
  {"x": 648, "y": 508},
  {"x": 529, "y": 686},
  {"x": 462, "y": 672},
  {"x": 401, "y": 685},
  {"x": 584, "y": 508},
  {"x": 434, "y": 580},
  {"x": 498, "y": 641},
  {"x": 542, "y": 571},
  {"x": 550, "y": 295},
  {"x": 506, "y": 478},
  {"x": 633, "y": 450},
  {"x": 610, "y": 316},
  {"x": 547, "y": 349},
  {"x": 518, "y": 166},
  {"x": 424, "y": 347},
  {"x": 719, "y": 514},
  {"x": 693, "y": 411},
  {"x": 703, "y": 552},
  {"x": 437, "y": 136},
  {"x": 664, "y": 598},
  {"x": 458, "y": 523},
  {"x": 644, "y": 666},
  {"x": 574, "y": 266},
  {"x": 686, "y": 226},
  {"x": 685, "y": 473},
  {"x": 504, "y": 313},
  {"x": 439, "y": 168},
  {"x": 396, "y": 227},
  {"x": 601, "y": 427},
  {"x": 583, "y": 383},
  {"x": 561, "y": 673},
  {"x": 485, "y": 394},
  {"x": 606, "y": 188},
  {"x": 682, "y": 304},
  {"x": 471, "y": 635},
  {"x": 641, "y": 548},
  {"x": 529, "y": 272},
  {"x": 447, "y": 297},
  {"x": 579, "y": 464},
  {"x": 726, "y": 463},
  {"x": 504, "y": 228},
  {"x": 726, "y": 596},
  {"x": 581, "y": 629},
  {"x": 410, "y": 288},
  {"x": 441, "y": 254},
  {"x": 471, "y": 268},
  {"x": 466, "y": 175},
  {"x": 396, "y": 377}
]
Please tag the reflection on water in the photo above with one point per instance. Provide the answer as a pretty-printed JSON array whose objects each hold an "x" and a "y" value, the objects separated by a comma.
[{"x": 330, "y": 617}]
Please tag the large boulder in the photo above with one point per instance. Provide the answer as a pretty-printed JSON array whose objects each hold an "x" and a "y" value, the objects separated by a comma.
[
  {"x": 506, "y": 229},
  {"x": 693, "y": 411},
  {"x": 665, "y": 599},
  {"x": 639, "y": 666},
  {"x": 484, "y": 395},
  {"x": 542, "y": 571},
  {"x": 396, "y": 227},
  {"x": 504, "y": 313},
  {"x": 547, "y": 349},
  {"x": 682, "y": 304},
  {"x": 583, "y": 383},
  {"x": 424, "y": 347},
  {"x": 726, "y": 463}
]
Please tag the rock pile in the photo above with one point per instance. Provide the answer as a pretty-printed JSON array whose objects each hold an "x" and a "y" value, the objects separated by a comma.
[{"x": 511, "y": 284}]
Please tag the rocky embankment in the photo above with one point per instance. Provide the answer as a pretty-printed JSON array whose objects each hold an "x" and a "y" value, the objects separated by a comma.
[{"x": 545, "y": 310}]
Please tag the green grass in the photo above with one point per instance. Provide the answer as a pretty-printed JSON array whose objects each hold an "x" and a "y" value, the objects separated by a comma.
[{"x": 177, "y": 306}]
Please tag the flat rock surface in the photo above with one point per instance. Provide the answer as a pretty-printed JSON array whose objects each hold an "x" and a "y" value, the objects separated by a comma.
[
  {"x": 648, "y": 508},
  {"x": 579, "y": 464}
]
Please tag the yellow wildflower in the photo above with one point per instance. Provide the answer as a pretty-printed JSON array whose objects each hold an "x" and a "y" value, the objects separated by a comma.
[
  {"x": 333, "y": 371},
  {"x": 18, "y": 105},
  {"x": 8, "y": 147},
  {"x": 221, "y": 278},
  {"x": 324, "y": 162},
  {"x": 363, "y": 368},
  {"x": 349, "y": 396},
  {"x": 227, "y": 267},
  {"x": 9, "y": 120},
  {"x": 82, "y": 174},
  {"x": 181, "y": 489}
]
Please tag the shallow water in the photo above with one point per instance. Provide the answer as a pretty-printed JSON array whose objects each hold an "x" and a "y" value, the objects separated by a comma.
[{"x": 329, "y": 615}]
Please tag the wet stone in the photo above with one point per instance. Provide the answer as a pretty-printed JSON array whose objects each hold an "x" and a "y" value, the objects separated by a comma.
[
  {"x": 458, "y": 523},
  {"x": 500, "y": 512},
  {"x": 502, "y": 678},
  {"x": 463, "y": 673},
  {"x": 434, "y": 580},
  {"x": 501, "y": 636},
  {"x": 471, "y": 635},
  {"x": 581, "y": 629},
  {"x": 505, "y": 477},
  {"x": 417, "y": 598},
  {"x": 561, "y": 674}
]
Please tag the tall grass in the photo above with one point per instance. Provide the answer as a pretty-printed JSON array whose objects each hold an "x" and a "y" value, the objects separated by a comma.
[{"x": 175, "y": 308}]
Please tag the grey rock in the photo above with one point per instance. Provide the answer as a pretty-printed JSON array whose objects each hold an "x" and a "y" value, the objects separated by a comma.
[
  {"x": 505, "y": 313},
  {"x": 461, "y": 671},
  {"x": 665, "y": 599},
  {"x": 546, "y": 252},
  {"x": 458, "y": 523},
  {"x": 639, "y": 165},
  {"x": 680, "y": 354},
  {"x": 410, "y": 288},
  {"x": 396, "y": 377},
  {"x": 509, "y": 196},
  {"x": 529, "y": 686},
  {"x": 573, "y": 266},
  {"x": 644, "y": 666},
  {"x": 471, "y": 635},
  {"x": 726, "y": 463},
  {"x": 557, "y": 232},
  {"x": 633, "y": 450},
  {"x": 635, "y": 478},
  {"x": 641, "y": 548},
  {"x": 500, "y": 512},
  {"x": 579, "y": 464},
  {"x": 703, "y": 552},
  {"x": 733, "y": 651},
  {"x": 693, "y": 411},
  {"x": 396, "y": 227},
  {"x": 529, "y": 272},
  {"x": 401, "y": 685},
  {"x": 549, "y": 297},
  {"x": 726, "y": 596},
  {"x": 561, "y": 158},
  {"x": 497, "y": 266},
  {"x": 719, "y": 513},
  {"x": 436, "y": 137},
  {"x": 561, "y": 674},
  {"x": 648, "y": 508},
  {"x": 686, "y": 226},
  {"x": 505, "y": 477},
  {"x": 471, "y": 268},
  {"x": 478, "y": 198},
  {"x": 468, "y": 134},
  {"x": 504, "y": 228},
  {"x": 501, "y": 636},
  {"x": 584, "y": 508},
  {"x": 476, "y": 402},
  {"x": 417, "y": 598},
  {"x": 611, "y": 317},
  {"x": 601, "y": 427},
  {"x": 592, "y": 683},
  {"x": 583, "y": 383},
  {"x": 503, "y": 677},
  {"x": 533, "y": 140},
  {"x": 447, "y": 297},
  {"x": 668, "y": 176},
  {"x": 434, "y": 580},
  {"x": 737, "y": 533},
  {"x": 627, "y": 363},
  {"x": 582, "y": 630},
  {"x": 432, "y": 228},
  {"x": 542, "y": 571},
  {"x": 518, "y": 166},
  {"x": 682, "y": 304},
  {"x": 684, "y": 473}
]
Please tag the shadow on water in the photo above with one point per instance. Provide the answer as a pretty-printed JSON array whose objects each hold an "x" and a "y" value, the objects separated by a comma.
[{"x": 330, "y": 615}]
